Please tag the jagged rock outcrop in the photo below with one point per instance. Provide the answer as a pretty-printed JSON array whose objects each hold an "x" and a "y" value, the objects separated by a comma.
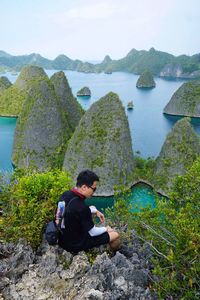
[
  {"x": 52, "y": 273},
  {"x": 180, "y": 149},
  {"x": 4, "y": 84},
  {"x": 13, "y": 98},
  {"x": 146, "y": 80},
  {"x": 102, "y": 143},
  {"x": 185, "y": 101},
  {"x": 69, "y": 105},
  {"x": 85, "y": 91},
  {"x": 44, "y": 126}
]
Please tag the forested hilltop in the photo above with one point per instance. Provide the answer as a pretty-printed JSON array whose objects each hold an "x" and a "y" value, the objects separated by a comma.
[{"x": 157, "y": 62}]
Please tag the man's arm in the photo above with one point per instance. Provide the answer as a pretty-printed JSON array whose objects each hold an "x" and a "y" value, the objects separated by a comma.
[{"x": 94, "y": 210}]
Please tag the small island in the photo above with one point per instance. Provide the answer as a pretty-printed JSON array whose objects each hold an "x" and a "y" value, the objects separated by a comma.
[
  {"x": 146, "y": 81},
  {"x": 130, "y": 105},
  {"x": 85, "y": 91},
  {"x": 185, "y": 101}
]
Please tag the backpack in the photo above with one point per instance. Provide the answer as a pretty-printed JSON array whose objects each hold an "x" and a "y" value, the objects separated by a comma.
[{"x": 53, "y": 230}]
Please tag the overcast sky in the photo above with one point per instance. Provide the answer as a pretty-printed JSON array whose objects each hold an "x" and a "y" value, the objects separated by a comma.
[{"x": 90, "y": 29}]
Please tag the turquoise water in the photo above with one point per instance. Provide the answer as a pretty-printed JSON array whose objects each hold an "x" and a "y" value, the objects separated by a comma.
[
  {"x": 148, "y": 125},
  {"x": 141, "y": 196},
  {"x": 7, "y": 128}
]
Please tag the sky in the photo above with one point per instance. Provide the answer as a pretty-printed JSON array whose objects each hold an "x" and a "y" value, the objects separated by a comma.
[{"x": 91, "y": 29}]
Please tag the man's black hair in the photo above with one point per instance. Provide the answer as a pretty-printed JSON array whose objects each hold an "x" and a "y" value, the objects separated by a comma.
[{"x": 86, "y": 177}]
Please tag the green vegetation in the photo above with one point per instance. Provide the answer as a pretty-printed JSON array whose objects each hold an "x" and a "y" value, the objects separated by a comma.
[
  {"x": 85, "y": 91},
  {"x": 135, "y": 62},
  {"x": 171, "y": 230},
  {"x": 29, "y": 202},
  {"x": 181, "y": 148},
  {"x": 186, "y": 100},
  {"x": 4, "y": 84},
  {"x": 146, "y": 80}
]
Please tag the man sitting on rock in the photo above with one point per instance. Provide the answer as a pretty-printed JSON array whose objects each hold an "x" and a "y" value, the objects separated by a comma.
[{"x": 78, "y": 229}]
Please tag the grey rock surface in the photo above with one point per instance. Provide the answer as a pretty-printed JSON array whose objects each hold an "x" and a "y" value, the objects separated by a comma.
[
  {"x": 180, "y": 149},
  {"x": 48, "y": 119},
  {"x": 52, "y": 273},
  {"x": 102, "y": 143},
  {"x": 185, "y": 101},
  {"x": 69, "y": 105},
  {"x": 4, "y": 84},
  {"x": 85, "y": 91}
]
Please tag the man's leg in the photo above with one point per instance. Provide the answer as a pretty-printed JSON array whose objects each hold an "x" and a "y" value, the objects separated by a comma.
[{"x": 114, "y": 240}]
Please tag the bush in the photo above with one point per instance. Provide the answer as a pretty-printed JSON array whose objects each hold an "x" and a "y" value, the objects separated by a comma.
[
  {"x": 172, "y": 231},
  {"x": 29, "y": 202}
]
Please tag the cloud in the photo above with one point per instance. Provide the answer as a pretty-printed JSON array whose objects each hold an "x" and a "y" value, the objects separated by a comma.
[{"x": 89, "y": 12}]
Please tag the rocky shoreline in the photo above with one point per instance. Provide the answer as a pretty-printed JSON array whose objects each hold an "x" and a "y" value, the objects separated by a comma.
[{"x": 54, "y": 274}]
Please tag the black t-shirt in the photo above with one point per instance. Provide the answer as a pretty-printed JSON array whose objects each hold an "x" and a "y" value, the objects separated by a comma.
[{"x": 78, "y": 221}]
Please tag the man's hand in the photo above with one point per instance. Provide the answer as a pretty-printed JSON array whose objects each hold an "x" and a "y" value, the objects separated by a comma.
[{"x": 100, "y": 216}]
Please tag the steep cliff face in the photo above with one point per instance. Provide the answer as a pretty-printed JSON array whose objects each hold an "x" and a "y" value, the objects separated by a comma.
[
  {"x": 181, "y": 148},
  {"x": 4, "y": 84},
  {"x": 69, "y": 105},
  {"x": 171, "y": 70},
  {"x": 102, "y": 143},
  {"x": 185, "y": 101},
  {"x": 146, "y": 80},
  {"x": 12, "y": 100},
  {"x": 42, "y": 130}
]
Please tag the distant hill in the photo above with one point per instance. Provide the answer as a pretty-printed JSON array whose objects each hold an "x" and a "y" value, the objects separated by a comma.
[{"x": 157, "y": 62}]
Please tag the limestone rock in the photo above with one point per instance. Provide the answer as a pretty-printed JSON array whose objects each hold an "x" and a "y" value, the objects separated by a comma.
[
  {"x": 52, "y": 273},
  {"x": 85, "y": 91},
  {"x": 181, "y": 148},
  {"x": 185, "y": 101},
  {"x": 42, "y": 129},
  {"x": 146, "y": 81},
  {"x": 69, "y": 105},
  {"x": 4, "y": 84},
  {"x": 13, "y": 98},
  {"x": 102, "y": 143}
]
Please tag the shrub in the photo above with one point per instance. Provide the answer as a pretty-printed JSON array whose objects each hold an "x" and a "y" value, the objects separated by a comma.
[{"x": 29, "y": 202}]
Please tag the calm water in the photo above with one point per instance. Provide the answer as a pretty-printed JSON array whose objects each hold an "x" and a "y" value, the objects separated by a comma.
[
  {"x": 148, "y": 125},
  {"x": 141, "y": 196}
]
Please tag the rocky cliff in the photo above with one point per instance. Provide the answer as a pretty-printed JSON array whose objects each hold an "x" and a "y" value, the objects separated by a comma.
[
  {"x": 146, "y": 80},
  {"x": 52, "y": 273},
  {"x": 69, "y": 105},
  {"x": 85, "y": 91},
  {"x": 45, "y": 123},
  {"x": 158, "y": 62},
  {"x": 102, "y": 143},
  {"x": 4, "y": 84},
  {"x": 185, "y": 101},
  {"x": 180, "y": 149},
  {"x": 12, "y": 100}
]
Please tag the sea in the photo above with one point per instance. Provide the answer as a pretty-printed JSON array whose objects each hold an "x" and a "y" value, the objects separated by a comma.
[{"x": 148, "y": 125}]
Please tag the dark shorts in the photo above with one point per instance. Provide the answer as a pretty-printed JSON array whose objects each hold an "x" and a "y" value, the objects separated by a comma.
[{"x": 95, "y": 241}]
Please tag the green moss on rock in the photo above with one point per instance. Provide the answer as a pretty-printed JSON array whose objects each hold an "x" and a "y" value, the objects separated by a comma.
[
  {"x": 146, "y": 80},
  {"x": 4, "y": 84},
  {"x": 102, "y": 143},
  {"x": 181, "y": 148},
  {"x": 185, "y": 101},
  {"x": 72, "y": 110},
  {"x": 12, "y": 99},
  {"x": 42, "y": 130},
  {"x": 85, "y": 91}
]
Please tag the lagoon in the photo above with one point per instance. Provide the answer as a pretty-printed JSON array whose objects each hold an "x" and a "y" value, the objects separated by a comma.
[{"x": 148, "y": 125}]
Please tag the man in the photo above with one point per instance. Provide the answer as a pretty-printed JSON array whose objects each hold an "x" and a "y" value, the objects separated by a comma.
[{"x": 78, "y": 229}]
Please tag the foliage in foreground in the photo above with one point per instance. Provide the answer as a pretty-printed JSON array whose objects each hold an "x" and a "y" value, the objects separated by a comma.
[
  {"x": 29, "y": 201},
  {"x": 172, "y": 231}
]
